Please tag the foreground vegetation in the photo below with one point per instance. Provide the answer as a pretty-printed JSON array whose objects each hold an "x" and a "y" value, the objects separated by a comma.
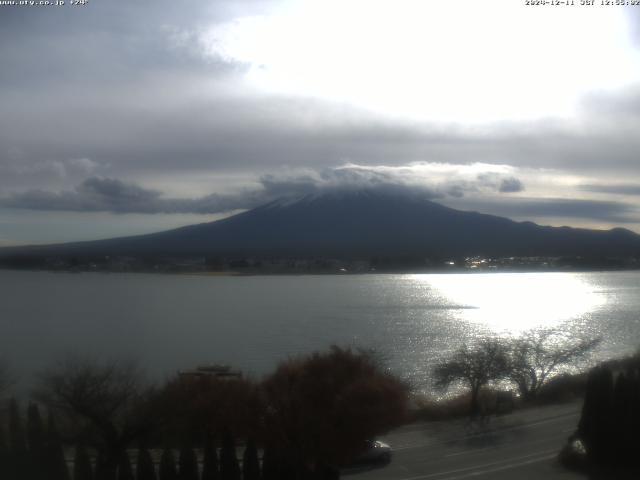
[
  {"x": 313, "y": 414},
  {"x": 605, "y": 442}
]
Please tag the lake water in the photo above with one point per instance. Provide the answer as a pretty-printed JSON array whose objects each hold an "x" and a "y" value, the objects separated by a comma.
[{"x": 171, "y": 322}]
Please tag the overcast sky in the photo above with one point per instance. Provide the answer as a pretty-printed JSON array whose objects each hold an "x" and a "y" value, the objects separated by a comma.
[{"x": 128, "y": 117}]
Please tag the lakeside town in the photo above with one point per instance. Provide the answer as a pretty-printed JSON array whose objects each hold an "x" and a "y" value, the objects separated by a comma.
[{"x": 317, "y": 265}]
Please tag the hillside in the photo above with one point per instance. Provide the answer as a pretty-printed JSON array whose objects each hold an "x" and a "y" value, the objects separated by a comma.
[{"x": 358, "y": 224}]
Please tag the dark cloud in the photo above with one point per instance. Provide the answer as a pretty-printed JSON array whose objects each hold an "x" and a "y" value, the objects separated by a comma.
[
  {"x": 127, "y": 85},
  {"x": 456, "y": 191},
  {"x": 97, "y": 194},
  {"x": 511, "y": 185},
  {"x": 157, "y": 128},
  {"x": 158, "y": 33},
  {"x": 501, "y": 183},
  {"x": 94, "y": 194},
  {"x": 111, "y": 195},
  {"x": 531, "y": 208},
  {"x": 619, "y": 189},
  {"x": 575, "y": 208}
]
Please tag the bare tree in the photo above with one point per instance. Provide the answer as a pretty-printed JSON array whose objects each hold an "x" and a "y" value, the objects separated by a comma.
[
  {"x": 538, "y": 354},
  {"x": 475, "y": 367},
  {"x": 104, "y": 402}
]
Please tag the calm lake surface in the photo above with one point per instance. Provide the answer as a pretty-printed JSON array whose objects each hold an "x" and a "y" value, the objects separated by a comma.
[{"x": 172, "y": 322}]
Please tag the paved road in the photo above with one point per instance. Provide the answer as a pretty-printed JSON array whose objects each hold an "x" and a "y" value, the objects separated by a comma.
[{"x": 523, "y": 445}]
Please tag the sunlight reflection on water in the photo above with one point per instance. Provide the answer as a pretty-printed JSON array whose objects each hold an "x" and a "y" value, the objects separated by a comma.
[{"x": 514, "y": 303}]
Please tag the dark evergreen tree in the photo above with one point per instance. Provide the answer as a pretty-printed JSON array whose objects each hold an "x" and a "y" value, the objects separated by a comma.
[
  {"x": 18, "y": 465},
  {"x": 250, "y": 462},
  {"x": 168, "y": 469},
  {"x": 145, "y": 469},
  {"x": 35, "y": 429},
  {"x": 56, "y": 463},
  {"x": 125, "y": 472},
  {"x": 104, "y": 469},
  {"x": 620, "y": 416},
  {"x": 229, "y": 467},
  {"x": 17, "y": 442},
  {"x": 270, "y": 470},
  {"x": 634, "y": 415},
  {"x": 605, "y": 432},
  {"x": 188, "y": 464},
  {"x": 82, "y": 465},
  {"x": 210, "y": 469},
  {"x": 37, "y": 464},
  {"x": 595, "y": 427},
  {"x": 586, "y": 422},
  {"x": 5, "y": 458}
]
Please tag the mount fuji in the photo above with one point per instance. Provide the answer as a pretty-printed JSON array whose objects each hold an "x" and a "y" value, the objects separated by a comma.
[{"x": 358, "y": 224}]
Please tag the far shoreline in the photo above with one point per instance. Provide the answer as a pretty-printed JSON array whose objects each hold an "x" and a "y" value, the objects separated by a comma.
[{"x": 241, "y": 273}]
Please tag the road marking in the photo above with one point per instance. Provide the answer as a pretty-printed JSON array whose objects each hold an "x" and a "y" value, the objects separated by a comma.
[
  {"x": 504, "y": 467},
  {"x": 473, "y": 470},
  {"x": 472, "y": 451}
]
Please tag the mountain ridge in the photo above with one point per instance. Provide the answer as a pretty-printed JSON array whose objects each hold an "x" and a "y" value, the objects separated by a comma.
[{"x": 364, "y": 223}]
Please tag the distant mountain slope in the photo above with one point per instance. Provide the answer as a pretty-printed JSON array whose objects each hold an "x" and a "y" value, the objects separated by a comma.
[{"x": 359, "y": 224}]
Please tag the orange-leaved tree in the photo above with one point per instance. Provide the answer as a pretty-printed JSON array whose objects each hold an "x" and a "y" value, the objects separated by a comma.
[{"x": 322, "y": 408}]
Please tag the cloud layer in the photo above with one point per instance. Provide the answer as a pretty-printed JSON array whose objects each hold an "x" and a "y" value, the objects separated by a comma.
[
  {"x": 151, "y": 107},
  {"x": 436, "y": 181}
]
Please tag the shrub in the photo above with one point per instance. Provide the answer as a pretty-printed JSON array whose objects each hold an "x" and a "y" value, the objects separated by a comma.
[
  {"x": 56, "y": 463},
  {"x": 322, "y": 407}
]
